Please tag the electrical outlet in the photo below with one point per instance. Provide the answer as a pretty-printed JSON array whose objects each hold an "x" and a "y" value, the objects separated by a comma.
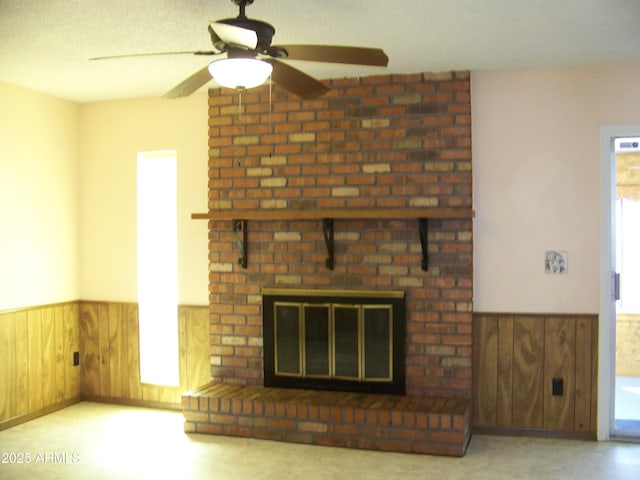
[
  {"x": 76, "y": 359},
  {"x": 557, "y": 387}
]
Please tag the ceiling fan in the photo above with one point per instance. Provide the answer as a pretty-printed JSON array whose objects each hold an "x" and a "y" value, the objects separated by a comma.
[{"x": 247, "y": 45}]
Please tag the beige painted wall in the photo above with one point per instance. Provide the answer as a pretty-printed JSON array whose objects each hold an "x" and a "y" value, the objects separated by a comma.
[
  {"x": 535, "y": 154},
  {"x": 536, "y": 182},
  {"x": 112, "y": 134},
  {"x": 38, "y": 198}
]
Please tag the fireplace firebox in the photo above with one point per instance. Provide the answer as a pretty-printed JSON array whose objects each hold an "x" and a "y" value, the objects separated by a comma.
[{"x": 349, "y": 340}]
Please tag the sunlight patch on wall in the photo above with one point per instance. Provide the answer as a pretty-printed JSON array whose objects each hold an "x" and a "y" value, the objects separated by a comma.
[{"x": 158, "y": 267}]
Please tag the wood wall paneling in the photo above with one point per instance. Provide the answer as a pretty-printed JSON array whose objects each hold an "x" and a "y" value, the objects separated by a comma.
[
  {"x": 516, "y": 358},
  {"x": 111, "y": 353},
  {"x": 60, "y": 338},
  {"x": 71, "y": 333},
  {"x": 528, "y": 356},
  {"x": 560, "y": 363},
  {"x": 118, "y": 356},
  {"x": 195, "y": 349},
  {"x": 37, "y": 346},
  {"x": 582, "y": 422},
  {"x": 49, "y": 374},
  {"x": 485, "y": 366},
  {"x": 504, "y": 398},
  {"x": 133, "y": 353},
  {"x": 594, "y": 376},
  {"x": 36, "y": 360},
  {"x": 104, "y": 351},
  {"x": 89, "y": 350},
  {"x": 22, "y": 364},
  {"x": 34, "y": 349},
  {"x": 7, "y": 366}
]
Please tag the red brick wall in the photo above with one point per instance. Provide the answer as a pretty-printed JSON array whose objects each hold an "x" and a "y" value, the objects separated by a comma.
[{"x": 388, "y": 141}]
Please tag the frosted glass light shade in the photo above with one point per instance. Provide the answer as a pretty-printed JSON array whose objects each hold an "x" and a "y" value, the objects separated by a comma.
[{"x": 240, "y": 72}]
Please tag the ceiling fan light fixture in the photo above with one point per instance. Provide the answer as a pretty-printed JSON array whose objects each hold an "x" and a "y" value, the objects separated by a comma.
[{"x": 240, "y": 73}]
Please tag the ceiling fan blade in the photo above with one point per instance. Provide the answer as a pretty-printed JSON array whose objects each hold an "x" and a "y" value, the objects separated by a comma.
[
  {"x": 336, "y": 54},
  {"x": 153, "y": 54},
  {"x": 296, "y": 81},
  {"x": 190, "y": 85},
  {"x": 236, "y": 36}
]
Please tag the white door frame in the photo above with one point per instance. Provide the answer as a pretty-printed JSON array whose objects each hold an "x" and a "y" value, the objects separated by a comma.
[{"x": 606, "y": 330}]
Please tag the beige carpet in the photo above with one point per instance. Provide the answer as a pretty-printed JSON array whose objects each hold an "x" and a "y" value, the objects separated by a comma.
[{"x": 97, "y": 441}]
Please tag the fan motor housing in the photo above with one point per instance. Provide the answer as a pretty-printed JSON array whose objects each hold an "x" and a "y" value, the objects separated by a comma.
[{"x": 264, "y": 30}]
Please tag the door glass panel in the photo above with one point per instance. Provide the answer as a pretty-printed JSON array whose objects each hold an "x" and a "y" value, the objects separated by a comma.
[
  {"x": 377, "y": 343},
  {"x": 316, "y": 340},
  {"x": 287, "y": 339},
  {"x": 346, "y": 342}
]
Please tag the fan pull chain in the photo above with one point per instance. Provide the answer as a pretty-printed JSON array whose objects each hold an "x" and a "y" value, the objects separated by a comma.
[{"x": 240, "y": 104}]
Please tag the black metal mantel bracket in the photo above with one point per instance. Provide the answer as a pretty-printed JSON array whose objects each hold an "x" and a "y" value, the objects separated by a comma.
[
  {"x": 327, "y": 231},
  {"x": 240, "y": 229},
  {"x": 423, "y": 229}
]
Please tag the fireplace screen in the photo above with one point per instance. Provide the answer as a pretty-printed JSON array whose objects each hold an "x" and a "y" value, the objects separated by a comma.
[{"x": 334, "y": 340}]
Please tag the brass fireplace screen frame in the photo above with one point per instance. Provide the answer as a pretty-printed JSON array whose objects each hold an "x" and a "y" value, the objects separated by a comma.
[{"x": 344, "y": 353}]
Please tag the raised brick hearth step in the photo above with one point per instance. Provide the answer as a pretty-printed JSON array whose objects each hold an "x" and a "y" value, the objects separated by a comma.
[{"x": 439, "y": 426}]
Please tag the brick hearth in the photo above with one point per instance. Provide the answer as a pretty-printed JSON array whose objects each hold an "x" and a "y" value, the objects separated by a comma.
[{"x": 406, "y": 424}]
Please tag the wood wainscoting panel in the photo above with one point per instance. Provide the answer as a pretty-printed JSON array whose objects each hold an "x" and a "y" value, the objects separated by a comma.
[
  {"x": 37, "y": 347},
  {"x": 516, "y": 358},
  {"x": 195, "y": 349},
  {"x": 134, "y": 387},
  {"x": 22, "y": 364},
  {"x": 584, "y": 375},
  {"x": 504, "y": 397},
  {"x": 485, "y": 365},
  {"x": 48, "y": 356},
  {"x": 123, "y": 354},
  {"x": 104, "y": 352},
  {"x": 528, "y": 370},
  {"x": 7, "y": 366},
  {"x": 60, "y": 337},
  {"x": 89, "y": 350},
  {"x": 594, "y": 375},
  {"x": 35, "y": 356},
  {"x": 37, "y": 374},
  {"x": 69, "y": 321},
  {"x": 559, "y": 363}
]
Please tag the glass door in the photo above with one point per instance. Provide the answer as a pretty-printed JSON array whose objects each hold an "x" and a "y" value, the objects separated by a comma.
[{"x": 627, "y": 286}]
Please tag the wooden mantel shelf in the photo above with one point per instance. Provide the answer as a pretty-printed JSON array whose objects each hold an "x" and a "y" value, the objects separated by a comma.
[
  {"x": 240, "y": 218},
  {"x": 285, "y": 214}
]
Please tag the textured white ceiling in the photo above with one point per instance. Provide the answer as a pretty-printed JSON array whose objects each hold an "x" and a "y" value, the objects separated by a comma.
[{"x": 45, "y": 44}]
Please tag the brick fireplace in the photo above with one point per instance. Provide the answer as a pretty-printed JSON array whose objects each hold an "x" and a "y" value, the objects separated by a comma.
[{"x": 382, "y": 142}]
